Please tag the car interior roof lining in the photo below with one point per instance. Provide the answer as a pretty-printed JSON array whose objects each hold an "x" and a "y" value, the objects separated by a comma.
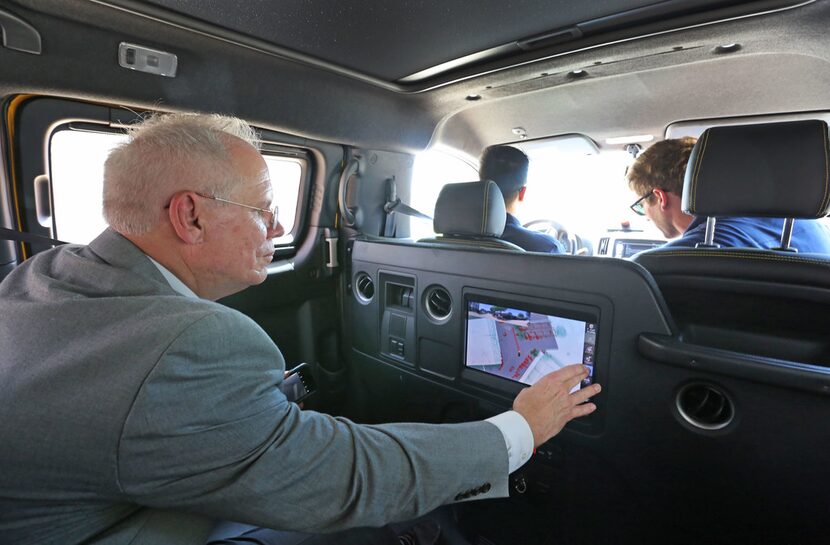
[
  {"x": 421, "y": 37},
  {"x": 639, "y": 86}
]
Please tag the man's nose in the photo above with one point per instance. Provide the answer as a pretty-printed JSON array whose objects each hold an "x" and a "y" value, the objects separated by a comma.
[{"x": 277, "y": 231}]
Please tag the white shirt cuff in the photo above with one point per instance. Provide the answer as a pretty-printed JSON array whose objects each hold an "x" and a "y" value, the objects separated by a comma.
[{"x": 517, "y": 437}]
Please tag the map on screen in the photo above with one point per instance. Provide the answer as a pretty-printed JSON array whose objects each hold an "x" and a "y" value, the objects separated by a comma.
[{"x": 522, "y": 345}]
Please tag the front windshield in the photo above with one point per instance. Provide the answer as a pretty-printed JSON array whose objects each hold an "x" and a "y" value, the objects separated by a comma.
[{"x": 586, "y": 194}]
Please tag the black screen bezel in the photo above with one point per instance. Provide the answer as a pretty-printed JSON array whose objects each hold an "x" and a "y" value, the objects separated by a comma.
[{"x": 561, "y": 309}]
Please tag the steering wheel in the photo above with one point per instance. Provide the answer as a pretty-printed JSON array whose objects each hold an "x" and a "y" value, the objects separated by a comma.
[{"x": 573, "y": 244}]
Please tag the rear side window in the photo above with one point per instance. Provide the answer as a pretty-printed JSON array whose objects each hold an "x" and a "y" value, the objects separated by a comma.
[
  {"x": 77, "y": 174},
  {"x": 432, "y": 171},
  {"x": 286, "y": 174}
]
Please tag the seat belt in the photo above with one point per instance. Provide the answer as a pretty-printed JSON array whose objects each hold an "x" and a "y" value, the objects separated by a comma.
[
  {"x": 393, "y": 205},
  {"x": 18, "y": 236}
]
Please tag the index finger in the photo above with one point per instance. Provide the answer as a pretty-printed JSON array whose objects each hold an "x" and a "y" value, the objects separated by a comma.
[{"x": 568, "y": 373}]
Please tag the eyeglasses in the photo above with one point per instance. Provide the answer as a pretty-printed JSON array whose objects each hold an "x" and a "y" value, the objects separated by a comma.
[
  {"x": 274, "y": 211},
  {"x": 638, "y": 207}
]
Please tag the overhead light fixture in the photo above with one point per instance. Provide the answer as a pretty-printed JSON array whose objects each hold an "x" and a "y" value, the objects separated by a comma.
[
  {"x": 635, "y": 139},
  {"x": 144, "y": 59}
]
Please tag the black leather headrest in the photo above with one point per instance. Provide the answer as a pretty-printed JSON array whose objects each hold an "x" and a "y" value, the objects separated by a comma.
[
  {"x": 470, "y": 209},
  {"x": 777, "y": 170}
]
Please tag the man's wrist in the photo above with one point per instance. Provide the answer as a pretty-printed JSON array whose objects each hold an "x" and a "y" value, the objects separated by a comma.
[{"x": 518, "y": 437}]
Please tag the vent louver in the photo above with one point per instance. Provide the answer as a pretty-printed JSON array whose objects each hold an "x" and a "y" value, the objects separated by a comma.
[
  {"x": 705, "y": 406},
  {"x": 365, "y": 287},
  {"x": 438, "y": 304}
]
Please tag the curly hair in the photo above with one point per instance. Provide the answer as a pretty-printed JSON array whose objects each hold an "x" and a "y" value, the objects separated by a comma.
[{"x": 661, "y": 166}]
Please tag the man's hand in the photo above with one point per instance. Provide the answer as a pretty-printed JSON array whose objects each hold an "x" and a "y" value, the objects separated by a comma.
[{"x": 548, "y": 405}]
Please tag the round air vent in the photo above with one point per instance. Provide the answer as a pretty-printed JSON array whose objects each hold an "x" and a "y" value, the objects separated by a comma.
[
  {"x": 705, "y": 406},
  {"x": 438, "y": 303},
  {"x": 364, "y": 287}
]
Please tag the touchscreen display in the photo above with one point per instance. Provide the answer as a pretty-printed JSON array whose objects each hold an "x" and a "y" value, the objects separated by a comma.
[{"x": 524, "y": 345}]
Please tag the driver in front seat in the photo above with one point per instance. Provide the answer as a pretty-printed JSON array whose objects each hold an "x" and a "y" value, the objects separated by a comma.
[{"x": 507, "y": 166}]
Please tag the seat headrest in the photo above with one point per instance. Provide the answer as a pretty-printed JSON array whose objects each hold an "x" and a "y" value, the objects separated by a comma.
[
  {"x": 470, "y": 209},
  {"x": 777, "y": 170}
]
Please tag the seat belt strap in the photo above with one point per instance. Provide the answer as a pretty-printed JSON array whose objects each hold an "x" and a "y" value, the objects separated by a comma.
[
  {"x": 402, "y": 208},
  {"x": 18, "y": 236}
]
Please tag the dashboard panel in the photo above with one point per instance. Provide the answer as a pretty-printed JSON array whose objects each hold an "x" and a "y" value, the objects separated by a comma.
[
  {"x": 642, "y": 459},
  {"x": 409, "y": 306}
]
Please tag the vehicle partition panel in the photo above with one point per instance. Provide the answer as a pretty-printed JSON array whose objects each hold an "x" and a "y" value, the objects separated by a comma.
[
  {"x": 671, "y": 448},
  {"x": 407, "y": 308}
]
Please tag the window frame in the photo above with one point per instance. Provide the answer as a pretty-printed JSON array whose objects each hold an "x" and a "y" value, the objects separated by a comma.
[
  {"x": 68, "y": 125},
  {"x": 269, "y": 148}
]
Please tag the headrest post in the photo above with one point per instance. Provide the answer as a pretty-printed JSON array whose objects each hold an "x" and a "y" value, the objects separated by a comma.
[
  {"x": 709, "y": 240},
  {"x": 787, "y": 236}
]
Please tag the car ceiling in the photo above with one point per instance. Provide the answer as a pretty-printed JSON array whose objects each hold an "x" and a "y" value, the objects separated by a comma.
[
  {"x": 392, "y": 40},
  {"x": 332, "y": 71}
]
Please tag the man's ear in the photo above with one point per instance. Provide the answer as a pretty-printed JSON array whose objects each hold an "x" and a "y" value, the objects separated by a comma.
[
  {"x": 662, "y": 198},
  {"x": 184, "y": 213},
  {"x": 522, "y": 193}
]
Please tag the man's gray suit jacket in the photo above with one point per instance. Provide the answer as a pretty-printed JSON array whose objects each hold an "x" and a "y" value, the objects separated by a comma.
[{"x": 132, "y": 414}]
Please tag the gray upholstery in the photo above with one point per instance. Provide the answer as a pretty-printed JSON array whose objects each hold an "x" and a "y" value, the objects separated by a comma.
[
  {"x": 471, "y": 214},
  {"x": 470, "y": 209},
  {"x": 777, "y": 170}
]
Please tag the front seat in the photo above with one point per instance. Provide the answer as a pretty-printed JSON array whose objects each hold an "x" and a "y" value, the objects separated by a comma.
[
  {"x": 470, "y": 214},
  {"x": 773, "y": 302}
]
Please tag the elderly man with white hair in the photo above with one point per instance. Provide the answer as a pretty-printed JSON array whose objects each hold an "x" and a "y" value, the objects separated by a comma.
[{"x": 136, "y": 409}]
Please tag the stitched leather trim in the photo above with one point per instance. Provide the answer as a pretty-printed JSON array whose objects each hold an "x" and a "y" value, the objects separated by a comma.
[
  {"x": 484, "y": 212},
  {"x": 739, "y": 255},
  {"x": 823, "y": 205},
  {"x": 473, "y": 242},
  {"x": 698, "y": 164}
]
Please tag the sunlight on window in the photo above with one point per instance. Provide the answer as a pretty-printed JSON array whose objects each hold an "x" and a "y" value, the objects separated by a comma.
[
  {"x": 77, "y": 174},
  {"x": 285, "y": 176},
  {"x": 433, "y": 170},
  {"x": 587, "y": 194}
]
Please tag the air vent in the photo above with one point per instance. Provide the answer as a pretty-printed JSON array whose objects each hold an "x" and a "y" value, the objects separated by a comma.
[
  {"x": 705, "y": 406},
  {"x": 438, "y": 304},
  {"x": 365, "y": 287}
]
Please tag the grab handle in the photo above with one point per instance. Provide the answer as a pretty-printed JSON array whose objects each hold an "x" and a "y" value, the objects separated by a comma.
[{"x": 789, "y": 374}]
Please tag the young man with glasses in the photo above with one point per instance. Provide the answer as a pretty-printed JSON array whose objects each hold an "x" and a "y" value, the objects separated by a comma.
[{"x": 656, "y": 177}]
